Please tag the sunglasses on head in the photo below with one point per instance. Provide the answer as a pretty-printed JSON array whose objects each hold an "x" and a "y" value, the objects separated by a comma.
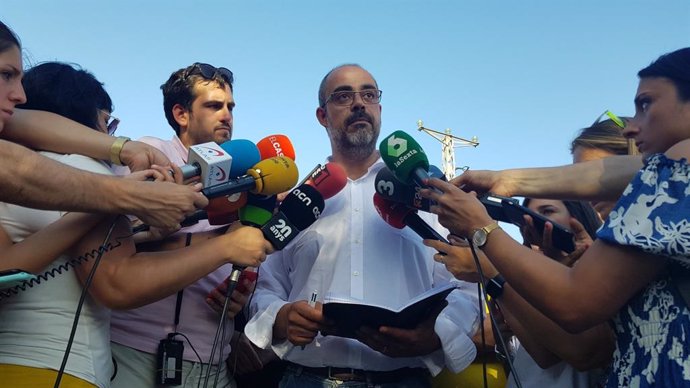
[
  {"x": 610, "y": 115},
  {"x": 209, "y": 72}
]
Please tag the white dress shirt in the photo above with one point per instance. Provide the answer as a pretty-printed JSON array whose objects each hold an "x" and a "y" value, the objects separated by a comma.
[{"x": 350, "y": 250}]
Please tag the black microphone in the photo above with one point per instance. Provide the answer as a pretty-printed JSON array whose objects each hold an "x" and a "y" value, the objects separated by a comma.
[{"x": 301, "y": 208}]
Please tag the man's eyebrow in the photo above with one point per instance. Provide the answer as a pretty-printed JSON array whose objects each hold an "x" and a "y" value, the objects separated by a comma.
[{"x": 348, "y": 87}]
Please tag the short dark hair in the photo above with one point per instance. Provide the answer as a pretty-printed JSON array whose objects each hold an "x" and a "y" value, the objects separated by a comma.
[
  {"x": 322, "y": 87},
  {"x": 65, "y": 90},
  {"x": 8, "y": 38},
  {"x": 179, "y": 89},
  {"x": 674, "y": 66}
]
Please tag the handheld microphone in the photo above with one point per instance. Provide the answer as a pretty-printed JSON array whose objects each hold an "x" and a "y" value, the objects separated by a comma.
[
  {"x": 223, "y": 210},
  {"x": 270, "y": 176},
  {"x": 276, "y": 145},
  {"x": 258, "y": 210},
  {"x": 405, "y": 157},
  {"x": 398, "y": 216},
  {"x": 300, "y": 208},
  {"x": 328, "y": 179},
  {"x": 244, "y": 154},
  {"x": 208, "y": 161},
  {"x": 391, "y": 188}
]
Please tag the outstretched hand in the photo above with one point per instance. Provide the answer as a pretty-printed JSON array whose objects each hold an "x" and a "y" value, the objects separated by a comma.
[{"x": 460, "y": 212}]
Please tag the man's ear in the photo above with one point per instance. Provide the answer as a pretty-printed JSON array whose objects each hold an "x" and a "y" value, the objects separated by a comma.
[
  {"x": 321, "y": 116},
  {"x": 181, "y": 115}
]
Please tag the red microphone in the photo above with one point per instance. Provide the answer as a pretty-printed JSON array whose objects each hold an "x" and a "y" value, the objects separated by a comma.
[
  {"x": 223, "y": 210},
  {"x": 398, "y": 216},
  {"x": 275, "y": 145},
  {"x": 327, "y": 179}
]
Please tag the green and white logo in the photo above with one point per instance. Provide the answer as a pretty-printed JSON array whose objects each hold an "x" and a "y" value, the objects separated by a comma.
[{"x": 396, "y": 146}]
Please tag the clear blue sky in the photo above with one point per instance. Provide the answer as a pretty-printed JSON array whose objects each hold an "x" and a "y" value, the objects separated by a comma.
[{"x": 522, "y": 76}]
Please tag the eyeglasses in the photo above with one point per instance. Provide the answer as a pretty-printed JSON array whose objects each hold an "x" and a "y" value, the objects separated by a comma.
[
  {"x": 208, "y": 72},
  {"x": 111, "y": 122},
  {"x": 617, "y": 120},
  {"x": 347, "y": 97}
]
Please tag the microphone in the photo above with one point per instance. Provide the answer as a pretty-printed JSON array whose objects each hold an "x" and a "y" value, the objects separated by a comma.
[
  {"x": 328, "y": 179},
  {"x": 268, "y": 177},
  {"x": 244, "y": 154},
  {"x": 275, "y": 145},
  {"x": 398, "y": 216},
  {"x": 258, "y": 210},
  {"x": 223, "y": 210},
  {"x": 208, "y": 161},
  {"x": 405, "y": 157},
  {"x": 391, "y": 188},
  {"x": 300, "y": 208}
]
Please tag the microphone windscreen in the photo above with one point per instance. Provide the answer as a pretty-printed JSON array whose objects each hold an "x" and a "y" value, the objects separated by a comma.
[
  {"x": 391, "y": 212},
  {"x": 244, "y": 154},
  {"x": 223, "y": 210},
  {"x": 302, "y": 206},
  {"x": 258, "y": 210},
  {"x": 276, "y": 145},
  {"x": 389, "y": 187},
  {"x": 274, "y": 175},
  {"x": 403, "y": 155},
  {"x": 328, "y": 179},
  {"x": 436, "y": 172}
]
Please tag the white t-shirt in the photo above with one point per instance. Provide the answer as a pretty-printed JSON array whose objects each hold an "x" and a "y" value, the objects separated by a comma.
[{"x": 35, "y": 324}]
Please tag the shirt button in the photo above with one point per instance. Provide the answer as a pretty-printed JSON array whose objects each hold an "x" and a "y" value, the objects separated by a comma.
[{"x": 355, "y": 273}]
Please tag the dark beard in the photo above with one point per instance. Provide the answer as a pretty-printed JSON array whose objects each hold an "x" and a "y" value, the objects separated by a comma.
[{"x": 356, "y": 145}]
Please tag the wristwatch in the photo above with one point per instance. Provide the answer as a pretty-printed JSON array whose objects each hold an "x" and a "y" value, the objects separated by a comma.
[
  {"x": 494, "y": 287},
  {"x": 479, "y": 236}
]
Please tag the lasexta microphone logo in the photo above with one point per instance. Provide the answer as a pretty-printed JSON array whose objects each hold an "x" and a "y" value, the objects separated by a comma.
[{"x": 396, "y": 146}]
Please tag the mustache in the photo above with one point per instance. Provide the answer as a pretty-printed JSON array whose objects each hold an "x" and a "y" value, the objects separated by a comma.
[{"x": 357, "y": 116}]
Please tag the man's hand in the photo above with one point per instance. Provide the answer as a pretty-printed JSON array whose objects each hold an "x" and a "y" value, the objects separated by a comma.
[
  {"x": 238, "y": 299},
  {"x": 140, "y": 156},
  {"x": 397, "y": 342},
  {"x": 299, "y": 322}
]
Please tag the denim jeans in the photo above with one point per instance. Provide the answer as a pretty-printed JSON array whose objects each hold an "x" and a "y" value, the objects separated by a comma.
[{"x": 294, "y": 377}]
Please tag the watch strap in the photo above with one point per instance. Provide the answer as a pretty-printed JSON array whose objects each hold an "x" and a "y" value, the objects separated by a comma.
[{"x": 494, "y": 287}]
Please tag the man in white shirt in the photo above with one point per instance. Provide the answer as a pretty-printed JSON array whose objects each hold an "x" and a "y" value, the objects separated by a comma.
[{"x": 350, "y": 251}]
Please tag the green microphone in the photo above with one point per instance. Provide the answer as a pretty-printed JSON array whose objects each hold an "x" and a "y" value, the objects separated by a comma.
[{"x": 405, "y": 158}]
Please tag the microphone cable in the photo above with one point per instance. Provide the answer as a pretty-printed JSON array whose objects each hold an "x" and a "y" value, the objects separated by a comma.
[
  {"x": 494, "y": 324},
  {"x": 101, "y": 250},
  {"x": 220, "y": 331}
]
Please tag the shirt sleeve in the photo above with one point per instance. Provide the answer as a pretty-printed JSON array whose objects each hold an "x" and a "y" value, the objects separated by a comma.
[
  {"x": 652, "y": 212},
  {"x": 270, "y": 296}
]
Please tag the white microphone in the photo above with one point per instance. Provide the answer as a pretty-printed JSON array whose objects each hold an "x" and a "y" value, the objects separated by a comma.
[{"x": 208, "y": 161}]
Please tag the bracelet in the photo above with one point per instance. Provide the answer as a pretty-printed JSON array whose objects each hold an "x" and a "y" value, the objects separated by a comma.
[
  {"x": 116, "y": 149},
  {"x": 494, "y": 287}
]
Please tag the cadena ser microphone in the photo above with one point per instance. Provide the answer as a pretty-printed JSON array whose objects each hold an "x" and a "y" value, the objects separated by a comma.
[
  {"x": 405, "y": 157},
  {"x": 398, "y": 216},
  {"x": 208, "y": 161},
  {"x": 275, "y": 145},
  {"x": 328, "y": 179},
  {"x": 300, "y": 208},
  {"x": 391, "y": 188},
  {"x": 268, "y": 177}
]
